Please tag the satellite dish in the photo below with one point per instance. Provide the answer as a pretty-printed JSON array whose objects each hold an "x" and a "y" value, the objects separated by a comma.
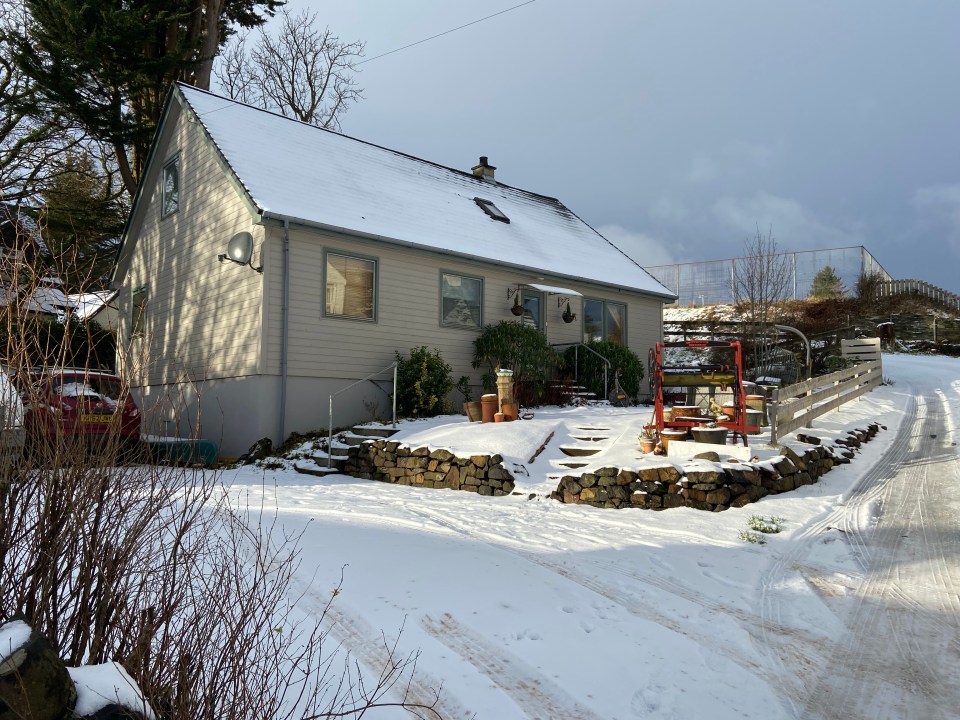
[{"x": 240, "y": 248}]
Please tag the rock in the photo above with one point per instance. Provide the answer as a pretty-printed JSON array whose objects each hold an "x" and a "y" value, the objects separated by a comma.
[
  {"x": 479, "y": 460},
  {"x": 608, "y": 471},
  {"x": 709, "y": 455},
  {"x": 588, "y": 480},
  {"x": 810, "y": 439},
  {"x": 792, "y": 456},
  {"x": 34, "y": 682},
  {"x": 258, "y": 451},
  {"x": 719, "y": 497},
  {"x": 668, "y": 474},
  {"x": 441, "y": 455}
]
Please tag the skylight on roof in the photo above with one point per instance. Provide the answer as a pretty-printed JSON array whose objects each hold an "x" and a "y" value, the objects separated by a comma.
[{"x": 492, "y": 210}]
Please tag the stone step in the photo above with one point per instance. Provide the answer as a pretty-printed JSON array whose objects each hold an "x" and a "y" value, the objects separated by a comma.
[
  {"x": 375, "y": 431},
  {"x": 579, "y": 451},
  {"x": 319, "y": 471}
]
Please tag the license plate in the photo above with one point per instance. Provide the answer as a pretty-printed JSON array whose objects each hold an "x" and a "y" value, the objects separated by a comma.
[{"x": 96, "y": 418}]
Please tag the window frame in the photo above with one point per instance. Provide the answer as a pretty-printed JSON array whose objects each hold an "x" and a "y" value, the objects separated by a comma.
[
  {"x": 604, "y": 317},
  {"x": 327, "y": 252},
  {"x": 138, "y": 317},
  {"x": 172, "y": 162},
  {"x": 525, "y": 293},
  {"x": 462, "y": 276}
]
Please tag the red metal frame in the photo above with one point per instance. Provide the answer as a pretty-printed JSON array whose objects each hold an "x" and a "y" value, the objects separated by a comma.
[{"x": 701, "y": 376}]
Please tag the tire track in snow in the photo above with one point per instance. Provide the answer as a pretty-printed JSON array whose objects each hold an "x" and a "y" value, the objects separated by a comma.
[
  {"x": 894, "y": 660},
  {"x": 637, "y": 607},
  {"x": 798, "y": 666},
  {"x": 538, "y": 697},
  {"x": 368, "y": 646}
]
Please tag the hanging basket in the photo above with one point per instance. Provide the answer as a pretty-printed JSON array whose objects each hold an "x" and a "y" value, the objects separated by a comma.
[
  {"x": 517, "y": 308},
  {"x": 568, "y": 316}
]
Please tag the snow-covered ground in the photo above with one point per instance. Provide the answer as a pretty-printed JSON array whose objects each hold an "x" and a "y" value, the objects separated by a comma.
[{"x": 523, "y": 607}]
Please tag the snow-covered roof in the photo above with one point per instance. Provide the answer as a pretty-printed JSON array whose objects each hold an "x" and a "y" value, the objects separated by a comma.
[
  {"x": 48, "y": 298},
  {"x": 295, "y": 171}
]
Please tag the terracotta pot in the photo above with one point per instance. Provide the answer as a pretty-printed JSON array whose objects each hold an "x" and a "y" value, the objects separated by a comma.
[
  {"x": 499, "y": 417},
  {"x": 667, "y": 436},
  {"x": 647, "y": 445},
  {"x": 489, "y": 405},
  {"x": 510, "y": 411},
  {"x": 473, "y": 410},
  {"x": 686, "y": 411},
  {"x": 730, "y": 411}
]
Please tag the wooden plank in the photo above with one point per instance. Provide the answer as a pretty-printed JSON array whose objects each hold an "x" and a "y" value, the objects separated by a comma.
[
  {"x": 861, "y": 349},
  {"x": 785, "y": 426}
]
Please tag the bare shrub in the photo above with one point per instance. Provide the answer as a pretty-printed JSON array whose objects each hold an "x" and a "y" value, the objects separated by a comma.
[{"x": 163, "y": 571}]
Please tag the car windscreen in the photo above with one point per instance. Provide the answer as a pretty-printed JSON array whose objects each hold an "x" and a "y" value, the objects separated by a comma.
[{"x": 89, "y": 386}]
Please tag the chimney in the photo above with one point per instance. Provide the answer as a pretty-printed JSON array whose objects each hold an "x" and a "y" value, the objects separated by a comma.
[{"x": 484, "y": 170}]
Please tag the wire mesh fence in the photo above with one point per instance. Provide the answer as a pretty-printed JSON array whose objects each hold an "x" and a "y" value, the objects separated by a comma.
[{"x": 711, "y": 282}]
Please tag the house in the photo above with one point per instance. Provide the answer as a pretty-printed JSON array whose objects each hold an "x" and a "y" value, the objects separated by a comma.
[{"x": 358, "y": 251}]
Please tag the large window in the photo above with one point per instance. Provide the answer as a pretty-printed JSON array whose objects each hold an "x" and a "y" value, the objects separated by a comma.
[
  {"x": 170, "y": 192},
  {"x": 350, "y": 286},
  {"x": 461, "y": 301},
  {"x": 603, "y": 320}
]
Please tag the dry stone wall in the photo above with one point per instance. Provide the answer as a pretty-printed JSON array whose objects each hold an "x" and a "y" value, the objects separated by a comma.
[
  {"x": 389, "y": 461},
  {"x": 708, "y": 484}
]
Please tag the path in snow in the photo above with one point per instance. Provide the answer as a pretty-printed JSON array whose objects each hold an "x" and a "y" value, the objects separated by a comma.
[{"x": 899, "y": 655}]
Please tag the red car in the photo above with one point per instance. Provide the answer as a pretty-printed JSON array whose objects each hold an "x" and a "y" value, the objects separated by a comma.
[{"x": 78, "y": 404}]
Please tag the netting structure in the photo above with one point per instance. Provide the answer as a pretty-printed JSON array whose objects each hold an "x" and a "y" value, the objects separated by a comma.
[{"x": 712, "y": 282}]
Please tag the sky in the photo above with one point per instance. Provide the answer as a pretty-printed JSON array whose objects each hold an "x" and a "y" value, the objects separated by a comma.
[
  {"x": 677, "y": 129},
  {"x": 524, "y": 607}
]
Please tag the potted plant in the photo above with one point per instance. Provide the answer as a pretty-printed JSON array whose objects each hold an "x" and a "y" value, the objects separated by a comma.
[
  {"x": 568, "y": 316},
  {"x": 648, "y": 440},
  {"x": 470, "y": 408}
]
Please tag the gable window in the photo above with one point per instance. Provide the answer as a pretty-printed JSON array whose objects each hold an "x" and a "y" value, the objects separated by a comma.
[
  {"x": 492, "y": 210},
  {"x": 139, "y": 306},
  {"x": 350, "y": 286},
  {"x": 532, "y": 302},
  {"x": 603, "y": 320},
  {"x": 170, "y": 191},
  {"x": 461, "y": 301}
]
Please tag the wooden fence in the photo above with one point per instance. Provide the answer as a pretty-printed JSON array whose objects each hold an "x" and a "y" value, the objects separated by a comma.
[
  {"x": 797, "y": 405},
  {"x": 861, "y": 349},
  {"x": 889, "y": 288}
]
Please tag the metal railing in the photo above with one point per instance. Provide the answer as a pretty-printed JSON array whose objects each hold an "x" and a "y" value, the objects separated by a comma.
[
  {"x": 392, "y": 366},
  {"x": 576, "y": 363}
]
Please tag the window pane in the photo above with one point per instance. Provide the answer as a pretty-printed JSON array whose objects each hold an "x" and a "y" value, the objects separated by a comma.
[
  {"x": 531, "y": 310},
  {"x": 139, "y": 308},
  {"x": 617, "y": 323},
  {"x": 460, "y": 300},
  {"x": 170, "y": 199},
  {"x": 592, "y": 320},
  {"x": 350, "y": 286}
]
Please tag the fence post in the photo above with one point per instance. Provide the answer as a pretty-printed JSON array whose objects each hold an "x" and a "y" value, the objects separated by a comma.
[
  {"x": 810, "y": 407},
  {"x": 774, "y": 416},
  {"x": 330, "y": 436},
  {"x": 395, "y": 394}
]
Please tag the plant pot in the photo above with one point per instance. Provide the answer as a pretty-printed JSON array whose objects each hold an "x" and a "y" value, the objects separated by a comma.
[
  {"x": 489, "y": 405},
  {"x": 510, "y": 411},
  {"x": 473, "y": 410},
  {"x": 713, "y": 436},
  {"x": 670, "y": 435},
  {"x": 686, "y": 411},
  {"x": 499, "y": 417},
  {"x": 647, "y": 445},
  {"x": 754, "y": 419},
  {"x": 730, "y": 411}
]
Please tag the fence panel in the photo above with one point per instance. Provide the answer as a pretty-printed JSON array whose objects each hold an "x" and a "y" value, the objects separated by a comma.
[{"x": 808, "y": 399}]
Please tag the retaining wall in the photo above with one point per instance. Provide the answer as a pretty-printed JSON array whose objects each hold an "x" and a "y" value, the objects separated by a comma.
[
  {"x": 389, "y": 461},
  {"x": 707, "y": 484}
]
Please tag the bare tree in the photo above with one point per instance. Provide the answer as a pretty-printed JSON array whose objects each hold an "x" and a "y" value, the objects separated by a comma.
[
  {"x": 302, "y": 72},
  {"x": 760, "y": 282}
]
